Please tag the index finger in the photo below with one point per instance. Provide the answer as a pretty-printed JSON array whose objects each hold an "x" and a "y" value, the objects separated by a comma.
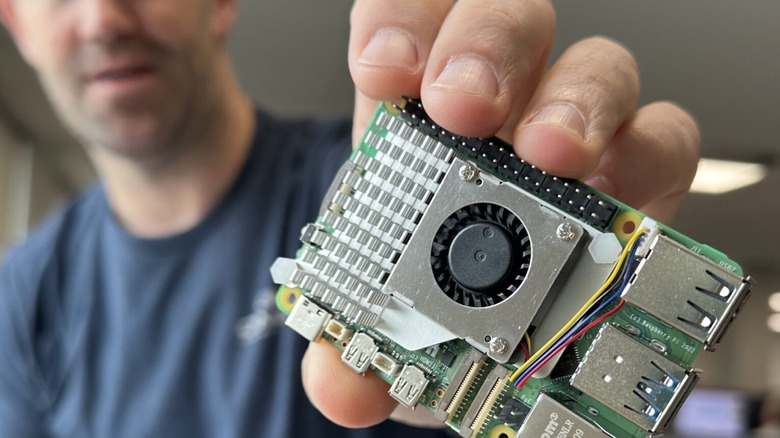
[
  {"x": 389, "y": 44},
  {"x": 486, "y": 63},
  {"x": 475, "y": 64}
]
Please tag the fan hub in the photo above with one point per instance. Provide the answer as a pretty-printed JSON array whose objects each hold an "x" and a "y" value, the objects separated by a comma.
[{"x": 481, "y": 256}]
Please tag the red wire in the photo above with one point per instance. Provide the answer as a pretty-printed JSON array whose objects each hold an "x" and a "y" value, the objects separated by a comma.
[
  {"x": 525, "y": 351},
  {"x": 569, "y": 341}
]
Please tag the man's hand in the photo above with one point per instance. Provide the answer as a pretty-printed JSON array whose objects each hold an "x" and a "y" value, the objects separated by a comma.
[{"x": 479, "y": 68}]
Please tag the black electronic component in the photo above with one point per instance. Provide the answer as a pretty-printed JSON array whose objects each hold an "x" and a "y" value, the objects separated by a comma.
[
  {"x": 513, "y": 413},
  {"x": 413, "y": 112},
  {"x": 472, "y": 146},
  {"x": 531, "y": 178},
  {"x": 553, "y": 188},
  {"x": 511, "y": 167},
  {"x": 567, "y": 364},
  {"x": 448, "y": 139},
  {"x": 491, "y": 155},
  {"x": 307, "y": 234},
  {"x": 447, "y": 358},
  {"x": 599, "y": 212},
  {"x": 409, "y": 117},
  {"x": 428, "y": 127},
  {"x": 576, "y": 198}
]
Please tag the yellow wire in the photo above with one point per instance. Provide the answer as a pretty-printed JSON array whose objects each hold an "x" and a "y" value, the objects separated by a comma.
[
  {"x": 528, "y": 342},
  {"x": 584, "y": 308}
]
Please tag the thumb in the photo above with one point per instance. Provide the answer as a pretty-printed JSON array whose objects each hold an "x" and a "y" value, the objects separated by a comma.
[{"x": 343, "y": 396}]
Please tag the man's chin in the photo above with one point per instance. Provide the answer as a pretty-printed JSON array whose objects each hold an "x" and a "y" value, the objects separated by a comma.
[{"x": 139, "y": 142}]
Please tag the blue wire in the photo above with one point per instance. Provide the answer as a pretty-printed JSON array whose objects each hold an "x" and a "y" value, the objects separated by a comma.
[
  {"x": 587, "y": 319},
  {"x": 584, "y": 321}
]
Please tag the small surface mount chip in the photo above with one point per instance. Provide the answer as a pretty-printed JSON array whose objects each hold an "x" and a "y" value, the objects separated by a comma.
[{"x": 509, "y": 302}]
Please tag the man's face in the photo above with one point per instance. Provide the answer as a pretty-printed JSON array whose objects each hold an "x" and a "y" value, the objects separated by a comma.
[{"x": 125, "y": 74}]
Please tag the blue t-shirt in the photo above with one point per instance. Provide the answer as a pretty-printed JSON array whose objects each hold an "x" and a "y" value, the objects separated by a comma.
[{"x": 103, "y": 334}]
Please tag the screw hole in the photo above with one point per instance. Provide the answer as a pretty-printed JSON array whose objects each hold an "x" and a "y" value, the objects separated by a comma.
[{"x": 478, "y": 182}]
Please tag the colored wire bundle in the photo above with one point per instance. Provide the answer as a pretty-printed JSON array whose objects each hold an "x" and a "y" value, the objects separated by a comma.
[
  {"x": 607, "y": 294},
  {"x": 565, "y": 343},
  {"x": 526, "y": 346}
]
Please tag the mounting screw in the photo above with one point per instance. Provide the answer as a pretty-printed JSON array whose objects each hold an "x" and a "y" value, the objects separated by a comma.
[
  {"x": 468, "y": 172},
  {"x": 565, "y": 232},
  {"x": 498, "y": 345}
]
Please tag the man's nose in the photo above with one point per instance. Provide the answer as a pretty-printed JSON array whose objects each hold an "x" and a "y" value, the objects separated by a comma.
[{"x": 106, "y": 20}]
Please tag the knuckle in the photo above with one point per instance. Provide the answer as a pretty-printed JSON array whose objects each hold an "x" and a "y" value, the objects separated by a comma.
[
  {"x": 607, "y": 44},
  {"x": 538, "y": 14},
  {"x": 413, "y": 14},
  {"x": 678, "y": 130},
  {"x": 674, "y": 134},
  {"x": 612, "y": 61},
  {"x": 689, "y": 140},
  {"x": 601, "y": 71},
  {"x": 541, "y": 13},
  {"x": 508, "y": 24},
  {"x": 685, "y": 125}
]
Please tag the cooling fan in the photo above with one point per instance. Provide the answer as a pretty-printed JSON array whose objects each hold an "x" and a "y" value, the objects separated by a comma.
[{"x": 480, "y": 255}]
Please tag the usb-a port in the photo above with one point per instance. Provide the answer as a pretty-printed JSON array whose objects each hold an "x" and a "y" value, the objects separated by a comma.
[
  {"x": 687, "y": 291},
  {"x": 633, "y": 380}
]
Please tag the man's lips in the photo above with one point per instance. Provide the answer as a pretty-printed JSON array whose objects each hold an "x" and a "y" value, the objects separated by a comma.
[
  {"x": 121, "y": 73},
  {"x": 122, "y": 79}
]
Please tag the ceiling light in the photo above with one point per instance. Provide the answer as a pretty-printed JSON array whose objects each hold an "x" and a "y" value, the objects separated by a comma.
[
  {"x": 719, "y": 176},
  {"x": 774, "y": 322},
  {"x": 774, "y": 302}
]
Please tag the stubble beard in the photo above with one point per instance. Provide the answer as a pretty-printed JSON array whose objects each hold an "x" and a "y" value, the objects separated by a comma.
[{"x": 150, "y": 126}]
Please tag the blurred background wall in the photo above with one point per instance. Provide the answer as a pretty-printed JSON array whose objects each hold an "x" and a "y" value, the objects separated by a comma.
[{"x": 718, "y": 58}]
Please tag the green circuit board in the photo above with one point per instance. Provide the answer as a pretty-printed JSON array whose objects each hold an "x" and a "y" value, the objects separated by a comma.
[{"x": 387, "y": 252}]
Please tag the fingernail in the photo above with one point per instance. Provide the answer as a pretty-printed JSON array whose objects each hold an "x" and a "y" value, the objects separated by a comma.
[
  {"x": 469, "y": 74},
  {"x": 390, "y": 48},
  {"x": 565, "y": 115}
]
